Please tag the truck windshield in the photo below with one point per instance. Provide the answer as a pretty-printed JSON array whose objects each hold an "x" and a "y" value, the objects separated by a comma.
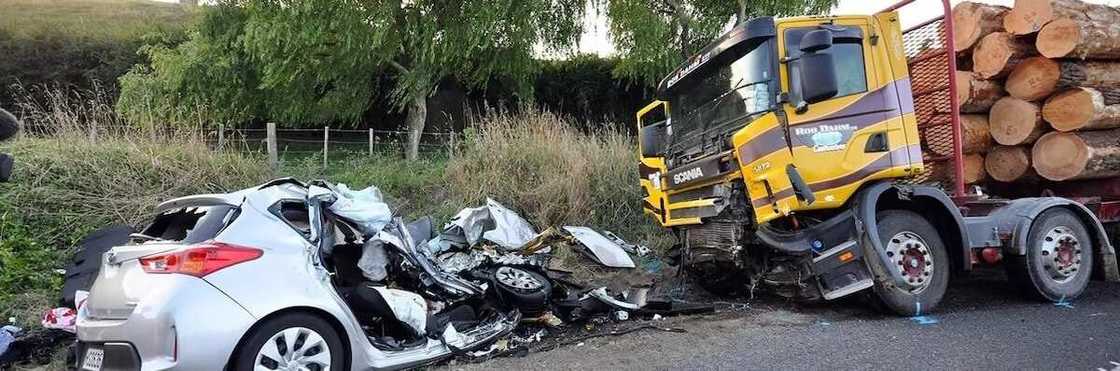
[{"x": 719, "y": 97}]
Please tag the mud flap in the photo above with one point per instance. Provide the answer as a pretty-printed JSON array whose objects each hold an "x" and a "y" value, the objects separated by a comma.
[
  {"x": 838, "y": 259},
  {"x": 841, "y": 271}
]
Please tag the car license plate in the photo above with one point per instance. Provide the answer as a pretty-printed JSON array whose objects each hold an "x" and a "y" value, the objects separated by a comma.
[{"x": 94, "y": 357}]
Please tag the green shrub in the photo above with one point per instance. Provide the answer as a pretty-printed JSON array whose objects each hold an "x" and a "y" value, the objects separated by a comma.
[{"x": 554, "y": 174}]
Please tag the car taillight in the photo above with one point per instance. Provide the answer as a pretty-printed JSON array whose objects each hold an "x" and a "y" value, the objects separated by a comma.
[{"x": 199, "y": 260}]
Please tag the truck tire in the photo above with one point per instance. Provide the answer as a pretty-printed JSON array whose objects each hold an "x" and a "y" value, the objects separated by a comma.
[
  {"x": 916, "y": 251},
  {"x": 1059, "y": 258}
]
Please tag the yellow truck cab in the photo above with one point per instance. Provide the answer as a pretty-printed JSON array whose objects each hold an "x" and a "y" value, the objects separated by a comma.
[{"x": 790, "y": 153}]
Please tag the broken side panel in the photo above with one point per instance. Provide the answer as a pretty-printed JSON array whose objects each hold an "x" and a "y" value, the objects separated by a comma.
[
  {"x": 764, "y": 155},
  {"x": 653, "y": 130}
]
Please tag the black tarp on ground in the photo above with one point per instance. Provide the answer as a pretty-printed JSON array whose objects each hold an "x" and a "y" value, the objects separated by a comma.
[{"x": 86, "y": 262}]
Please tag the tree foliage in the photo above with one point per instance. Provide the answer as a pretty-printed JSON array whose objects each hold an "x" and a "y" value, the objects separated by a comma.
[
  {"x": 654, "y": 36},
  {"x": 314, "y": 61}
]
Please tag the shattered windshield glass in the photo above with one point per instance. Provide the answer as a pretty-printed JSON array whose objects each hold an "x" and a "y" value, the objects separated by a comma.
[{"x": 724, "y": 95}]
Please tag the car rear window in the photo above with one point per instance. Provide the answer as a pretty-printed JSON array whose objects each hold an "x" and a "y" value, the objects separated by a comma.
[{"x": 191, "y": 224}]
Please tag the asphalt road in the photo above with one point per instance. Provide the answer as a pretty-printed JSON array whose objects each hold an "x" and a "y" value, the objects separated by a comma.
[{"x": 983, "y": 324}]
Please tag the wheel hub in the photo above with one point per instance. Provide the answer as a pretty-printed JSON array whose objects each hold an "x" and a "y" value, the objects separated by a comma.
[
  {"x": 295, "y": 349},
  {"x": 517, "y": 278},
  {"x": 1061, "y": 253},
  {"x": 910, "y": 256}
]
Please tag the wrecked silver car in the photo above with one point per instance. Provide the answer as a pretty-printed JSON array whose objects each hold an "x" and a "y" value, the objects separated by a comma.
[{"x": 289, "y": 275}]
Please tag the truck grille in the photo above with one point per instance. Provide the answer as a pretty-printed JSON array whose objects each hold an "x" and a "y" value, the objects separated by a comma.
[{"x": 719, "y": 235}]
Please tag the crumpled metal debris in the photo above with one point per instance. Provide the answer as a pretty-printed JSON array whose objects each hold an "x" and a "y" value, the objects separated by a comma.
[
  {"x": 602, "y": 295},
  {"x": 638, "y": 250},
  {"x": 494, "y": 223},
  {"x": 603, "y": 249},
  {"x": 455, "y": 262},
  {"x": 365, "y": 208}
]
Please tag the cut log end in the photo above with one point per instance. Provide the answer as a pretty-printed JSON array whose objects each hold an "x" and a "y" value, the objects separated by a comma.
[
  {"x": 964, "y": 86},
  {"x": 1028, "y": 16},
  {"x": 1058, "y": 38},
  {"x": 973, "y": 168},
  {"x": 971, "y": 21},
  {"x": 1060, "y": 156},
  {"x": 997, "y": 54},
  {"x": 1070, "y": 109},
  {"x": 1008, "y": 164},
  {"x": 975, "y": 95},
  {"x": 976, "y": 134},
  {"x": 1034, "y": 78},
  {"x": 1014, "y": 121}
]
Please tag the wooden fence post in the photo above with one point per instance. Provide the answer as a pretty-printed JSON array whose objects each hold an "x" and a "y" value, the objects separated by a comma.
[
  {"x": 326, "y": 141},
  {"x": 221, "y": 135},
  {"x": 371, "y": 142},
  {"x": 92, "y": 133},
  {"x": 273, "y": 156},
  {"x": 451, "y": 143}
]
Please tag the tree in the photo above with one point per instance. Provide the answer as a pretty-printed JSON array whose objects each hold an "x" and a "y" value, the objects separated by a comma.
[
  {"x": 316, "y": 60},
  {"x": 653, "y": 37}
]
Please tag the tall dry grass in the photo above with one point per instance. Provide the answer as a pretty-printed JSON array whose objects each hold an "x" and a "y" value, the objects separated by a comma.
[
  {"x": 555, "y": 174},
  {"x": 79, "y": 166}
]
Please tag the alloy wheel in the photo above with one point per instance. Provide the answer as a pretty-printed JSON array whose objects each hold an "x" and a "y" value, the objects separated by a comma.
[{"x": 294, "y": 349}]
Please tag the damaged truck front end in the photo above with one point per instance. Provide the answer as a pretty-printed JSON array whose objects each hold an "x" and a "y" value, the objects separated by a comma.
[{"x": 717, "y": 167}]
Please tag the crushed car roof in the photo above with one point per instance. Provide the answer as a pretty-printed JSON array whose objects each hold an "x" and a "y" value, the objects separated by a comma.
[{"x": 284, "y": 188}]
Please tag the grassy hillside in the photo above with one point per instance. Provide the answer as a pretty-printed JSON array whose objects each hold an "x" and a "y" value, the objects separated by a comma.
[
  {"x": 76, "y": 42},
  {"x": 121, "y": 20}
]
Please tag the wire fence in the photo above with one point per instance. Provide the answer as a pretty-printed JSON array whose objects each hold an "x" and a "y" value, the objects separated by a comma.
[{"x": 327, "y": 142}]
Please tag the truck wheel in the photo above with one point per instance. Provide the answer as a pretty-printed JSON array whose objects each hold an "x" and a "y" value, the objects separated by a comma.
[
  {"x": 916, "y": 251},
  {"x": 1059, "y": 258}
]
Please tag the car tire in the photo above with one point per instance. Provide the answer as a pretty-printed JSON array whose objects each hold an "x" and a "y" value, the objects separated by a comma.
[
  {"x": 912, "y": 243},
  {"x": 6, "y": 164},
  {"x": 292, "y": 328},
  {"x": 1056, "y": 267},
  {"x": 524, "y": 289},
  {"x": 9, "y": 125}
]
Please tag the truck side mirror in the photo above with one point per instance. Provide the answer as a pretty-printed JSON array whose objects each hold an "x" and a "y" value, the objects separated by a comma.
[
  {"x": 818, "y": 71},
  {"x": 652, "y": 138}
]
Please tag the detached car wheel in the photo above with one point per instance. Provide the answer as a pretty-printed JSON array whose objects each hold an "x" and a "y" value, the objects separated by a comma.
[
  {"x": 523, "y": 289},
  {"x": 1059, "y": 258},
  {"x": 294, "y": 341},
  {"x": 916, "y": 252}
]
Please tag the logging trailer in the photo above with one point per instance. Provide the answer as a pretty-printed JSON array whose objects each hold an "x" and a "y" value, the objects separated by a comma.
[{"x": 807, "y": 155}]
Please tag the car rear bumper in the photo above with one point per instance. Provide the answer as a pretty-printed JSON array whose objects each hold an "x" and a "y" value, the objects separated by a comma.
[{"x": 186, "y": 324}]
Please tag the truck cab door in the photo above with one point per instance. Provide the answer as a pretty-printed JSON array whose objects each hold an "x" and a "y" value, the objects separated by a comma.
[
  {"x": 857, "y": 134},
  {"x": 653, "y": 127}
]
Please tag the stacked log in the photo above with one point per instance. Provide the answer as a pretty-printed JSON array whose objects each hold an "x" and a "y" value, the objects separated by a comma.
[
  {"x": 997, "y": 54},
  {"x": 1009, "y": 164},
  {"x": 1014, "y": 122},
  {"x": 973, "y": 21},
  {"x": 976, "y": 95},
  {"x": 1081, "y": 109},
  {"x": 1040, "y": 96},
  {"x": 1063, "y": 156}
]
